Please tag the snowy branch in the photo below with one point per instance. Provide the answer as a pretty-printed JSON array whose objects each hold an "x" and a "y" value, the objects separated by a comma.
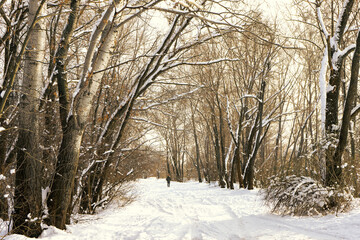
[
  {"x": 341, "y": 23},
  {"x": 148, "y": 122},
  {"x": 338, "y": 55},
  {"x": 201, "y": 63},
  {"x": 322, "y": 83},
  {"x": 321, "y": 22},
  {"x": 171, "y": 99},
  {"x": 355, "y": 111},
  {"x": 176, "y": 83},
  {"x": 267, "y": 120}
]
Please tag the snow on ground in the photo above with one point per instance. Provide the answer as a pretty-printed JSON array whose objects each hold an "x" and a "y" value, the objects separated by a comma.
[{"x": 199, "y": 211}]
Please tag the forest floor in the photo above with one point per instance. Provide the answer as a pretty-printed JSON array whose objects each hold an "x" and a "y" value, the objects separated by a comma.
[{"x": 194, "y": 210}]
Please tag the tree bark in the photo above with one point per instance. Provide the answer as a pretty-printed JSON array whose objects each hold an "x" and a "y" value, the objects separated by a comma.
[
  {"x": 333, "y": 170},
  {"x": 66, "y": 167},
  {"x": 197, "y": 148},
  {"x": 218, "y": 153},
  {"x": 253, "y": 147},
  {"x": 334, "y": 173},
  {"x": 333, "y": 152},
  {"x": 28, "y": 198},
  {"x": 61, "y": 190}
]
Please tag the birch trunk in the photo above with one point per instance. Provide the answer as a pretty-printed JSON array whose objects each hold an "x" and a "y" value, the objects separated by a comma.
[
  {"x": 61, "y": 191},
  {"x": 27, "y": 198}
]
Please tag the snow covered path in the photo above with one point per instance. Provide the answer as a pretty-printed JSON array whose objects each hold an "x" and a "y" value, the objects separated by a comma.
[{"x": 199, "y": 211}]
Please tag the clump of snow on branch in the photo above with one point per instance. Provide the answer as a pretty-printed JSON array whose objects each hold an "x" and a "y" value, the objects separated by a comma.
[{"x": 304, "y": 196}]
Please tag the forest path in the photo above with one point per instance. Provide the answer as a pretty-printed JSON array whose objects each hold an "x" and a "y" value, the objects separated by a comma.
[{"x": 198, "y": 211}]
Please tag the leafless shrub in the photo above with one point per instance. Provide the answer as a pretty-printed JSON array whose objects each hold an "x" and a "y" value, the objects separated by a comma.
[
  {"x": 125, "y": 195},
  {"x": 304, "y": 196},
  {"x": 120, "y": 194}
]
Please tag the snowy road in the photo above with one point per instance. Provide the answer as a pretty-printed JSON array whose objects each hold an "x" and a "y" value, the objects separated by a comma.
[{"x": 199, "y": 211}]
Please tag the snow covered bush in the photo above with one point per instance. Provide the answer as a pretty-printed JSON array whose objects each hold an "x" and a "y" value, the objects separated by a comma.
[{"x": 304, "y": 196}]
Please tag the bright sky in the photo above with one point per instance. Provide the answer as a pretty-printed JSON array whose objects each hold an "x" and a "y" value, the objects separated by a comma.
[{"x": 276, "y": 9}]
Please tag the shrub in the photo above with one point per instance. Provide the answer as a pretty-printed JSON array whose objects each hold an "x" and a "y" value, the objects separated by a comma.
[{"x": 304, "y": 196}]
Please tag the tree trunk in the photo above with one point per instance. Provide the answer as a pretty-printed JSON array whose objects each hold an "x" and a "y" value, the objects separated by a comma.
[
  {"x": 353, "y": 161},
  {"x": 61, "y": 190},
  {"x": 4, "y": 206},
  {"x": 66, "y": 167},
  {"x": 254, "y": 146},
  {"x": 333, "y": 152},
  {"x": 218, "y": 154},
  {"x": 224, "y": 172},
  {"x": 277, "y": 149},
  {"x": 27, "y": 198},
  {"x": 196, "y": 148},
  {"x": 333, "y": 166},
  {"x": 335, "y": 169}
]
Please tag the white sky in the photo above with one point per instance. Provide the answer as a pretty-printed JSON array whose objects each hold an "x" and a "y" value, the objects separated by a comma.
[{"x": 276, "y": 9}]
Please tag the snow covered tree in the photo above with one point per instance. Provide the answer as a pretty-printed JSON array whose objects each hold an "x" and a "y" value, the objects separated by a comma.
[
  {"x": 75, "y": 111},
  {"x": 334, "y": 57}
]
